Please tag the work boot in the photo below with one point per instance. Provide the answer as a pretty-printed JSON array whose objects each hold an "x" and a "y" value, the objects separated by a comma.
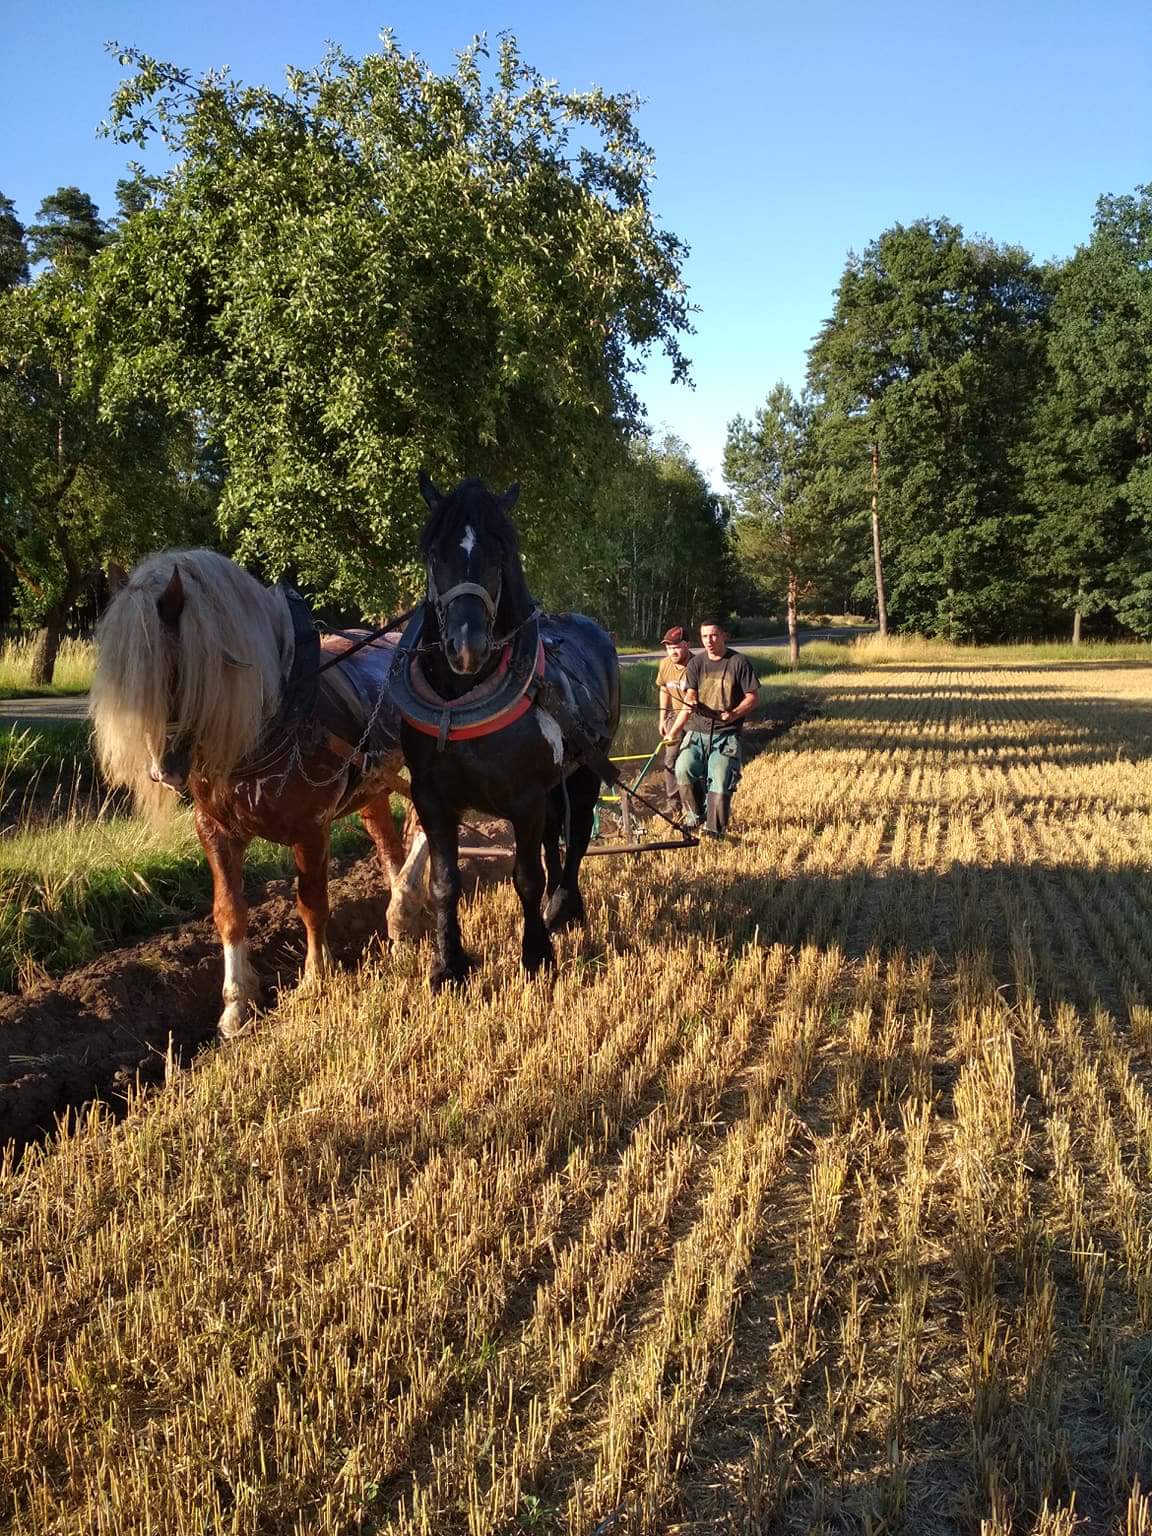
[
  {"x": 672, "y": 804},
  {"x": 719, "y": 810},
  {"x": 690, "y": 800}
]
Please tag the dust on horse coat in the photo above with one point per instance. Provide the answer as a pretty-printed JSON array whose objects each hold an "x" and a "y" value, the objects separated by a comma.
[
  {"x": 206, "y": 681},
  {"x": 502, "y": 708}
]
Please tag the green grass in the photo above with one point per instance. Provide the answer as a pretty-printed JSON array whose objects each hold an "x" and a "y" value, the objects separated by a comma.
[
  {"x": 73, "y": 674},
  {"x": 71, "y": 889},
  {"x": 57, "y": 750}
]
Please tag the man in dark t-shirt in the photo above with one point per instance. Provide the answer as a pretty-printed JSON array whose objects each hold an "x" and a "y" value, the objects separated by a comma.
[{"x": 720, "y": 690}]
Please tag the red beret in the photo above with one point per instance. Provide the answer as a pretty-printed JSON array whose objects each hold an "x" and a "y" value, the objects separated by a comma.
[{"x": 674, "y": 636}]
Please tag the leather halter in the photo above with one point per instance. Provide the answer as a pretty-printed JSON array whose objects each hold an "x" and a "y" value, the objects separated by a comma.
[
  {"x": 440, "y": 600},
  {"x": 498, "y": 701}
]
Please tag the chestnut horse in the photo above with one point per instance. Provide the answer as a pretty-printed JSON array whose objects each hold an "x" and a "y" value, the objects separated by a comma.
[{"x": 207, "y": 681}]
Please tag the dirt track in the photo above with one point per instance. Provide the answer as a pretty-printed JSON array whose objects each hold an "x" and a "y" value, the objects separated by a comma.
[{"x": 94, "y": 1032}]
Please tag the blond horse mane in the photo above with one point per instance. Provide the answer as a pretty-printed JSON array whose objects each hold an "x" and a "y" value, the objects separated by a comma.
[{"x": 213, "y": 681}]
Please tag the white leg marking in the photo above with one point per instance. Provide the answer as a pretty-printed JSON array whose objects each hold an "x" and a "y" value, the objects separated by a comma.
[
  {"x": 552, "y": 735},
  {"x": 408, "y": 891},
  {"x": 241, "y": 989}
]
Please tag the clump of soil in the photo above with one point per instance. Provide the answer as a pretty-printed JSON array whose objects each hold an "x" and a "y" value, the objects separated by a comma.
[{"x": 92, "y": 1032}]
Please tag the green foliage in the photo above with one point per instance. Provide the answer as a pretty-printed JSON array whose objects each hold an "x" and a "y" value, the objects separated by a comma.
[
  {"x": 385, "y": 269},
  {"x": 651, "y": 551},
  {"x": 70, "y": 234},
  {"x": 82, "y": 483},
  {"x": 935, "y": 350},
  {"x": 86, "y": 483},
  {"x": 786, "y": 533},
  {"x": 13, "y": 247},
  {"x": 1091, "y": 453}
]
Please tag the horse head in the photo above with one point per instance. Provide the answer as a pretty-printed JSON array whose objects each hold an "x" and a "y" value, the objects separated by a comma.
[
  {"x": 476, "y": 588},
  {"x": 189, "y": 668}
]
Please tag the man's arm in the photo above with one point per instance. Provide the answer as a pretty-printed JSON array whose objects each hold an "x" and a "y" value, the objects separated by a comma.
[
  {"x": 689, "y": 685},
  {"x": 748, "y": 703},
  {"x": 681, "y": 720},
  {"x": 665, "y": 708}
]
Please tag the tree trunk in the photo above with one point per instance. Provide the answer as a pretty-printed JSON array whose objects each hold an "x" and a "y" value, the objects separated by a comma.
[
  {"x": 1077, "y": 621},
  {"x": 793, "y": 637},
  {"x": 881, "y": 605},
  {"x": 46, "y": 646}
]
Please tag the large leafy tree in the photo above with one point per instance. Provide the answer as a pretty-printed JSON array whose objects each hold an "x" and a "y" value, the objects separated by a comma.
[
  {"x": 782, "y": 532},
  {"x": 385, "y": 269},
  {"x": 82, "y": 487},
  {"x": 1091, "y": 453},
  {"x": 934, "y": 353}
]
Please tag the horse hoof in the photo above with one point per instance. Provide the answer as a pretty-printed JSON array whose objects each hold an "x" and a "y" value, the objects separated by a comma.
[
  {"x": 403, "y": 924},
  {"x": 564, "y": 911},
  {"x": 534, "y": 963},
  {"x": 451, "y": 975},
  {"x": 236, "y": 1020}
]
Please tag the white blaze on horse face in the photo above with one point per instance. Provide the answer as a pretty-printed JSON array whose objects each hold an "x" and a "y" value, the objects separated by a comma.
[
  {"x": 468, "y": 542},
  {"x": 551, "y": 733}
]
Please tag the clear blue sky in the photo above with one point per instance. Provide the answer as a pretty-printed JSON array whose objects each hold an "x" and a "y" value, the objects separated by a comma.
[{"x": 785, "y": 136}]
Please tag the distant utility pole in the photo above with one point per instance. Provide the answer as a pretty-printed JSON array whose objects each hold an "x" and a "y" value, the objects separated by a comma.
[{"x": 881, "y": 605}]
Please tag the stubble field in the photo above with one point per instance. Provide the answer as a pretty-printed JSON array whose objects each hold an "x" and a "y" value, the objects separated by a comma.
[{"x": 813, "y": 1195}]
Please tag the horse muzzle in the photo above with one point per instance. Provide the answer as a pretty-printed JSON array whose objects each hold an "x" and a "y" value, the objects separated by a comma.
[
  {"x": 467, "y": 648},
  {"x": 172, "y": 771}
]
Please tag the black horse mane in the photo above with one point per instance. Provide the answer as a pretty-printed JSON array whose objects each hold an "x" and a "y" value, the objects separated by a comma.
[{"x": 473, "y": 505}]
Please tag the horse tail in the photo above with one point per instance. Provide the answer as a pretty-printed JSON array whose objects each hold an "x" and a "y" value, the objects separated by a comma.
[{"x": 211, "y": 680}]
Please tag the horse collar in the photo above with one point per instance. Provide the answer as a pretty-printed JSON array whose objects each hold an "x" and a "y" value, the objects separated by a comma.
[{"x": 498, "y": 701}]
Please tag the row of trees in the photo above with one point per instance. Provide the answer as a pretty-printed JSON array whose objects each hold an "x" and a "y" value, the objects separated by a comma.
[
  {"x": 993, "y": 414},
  {"x": 384, "y": 269},
  {"x": 86, "y": 482},
  {"x": 380, "y": 270}
]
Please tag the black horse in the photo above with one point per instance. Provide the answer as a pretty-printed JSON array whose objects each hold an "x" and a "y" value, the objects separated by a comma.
[{"x": 505, "y": 710}]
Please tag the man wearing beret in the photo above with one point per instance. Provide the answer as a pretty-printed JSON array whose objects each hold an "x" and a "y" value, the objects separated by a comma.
[{"x": 670, "y": 684}]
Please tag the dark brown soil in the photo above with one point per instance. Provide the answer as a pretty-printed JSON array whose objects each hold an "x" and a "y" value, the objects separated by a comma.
[{"x": 93, "y": 1032}]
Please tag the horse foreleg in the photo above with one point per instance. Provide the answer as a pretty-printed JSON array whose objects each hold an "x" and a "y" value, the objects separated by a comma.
[
  {"x": 405, "y": 875},
  {"x": 225, "y": 856},
  {"x": 566, "y": 906},
  {"x": 554, "y": 819},
  {"x": 311, "y": 855},
  {"x": 528, "y": 878},
  {"x": 452, "y": 961}
]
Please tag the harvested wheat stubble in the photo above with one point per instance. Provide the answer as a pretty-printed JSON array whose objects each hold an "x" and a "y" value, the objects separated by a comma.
[{"x": 813, "y": 1195}]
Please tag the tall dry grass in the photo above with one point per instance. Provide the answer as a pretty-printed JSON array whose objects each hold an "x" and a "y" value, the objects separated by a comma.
[
  {"x": 812, "y": 1195},
  {"x": 75, "y": 663}
]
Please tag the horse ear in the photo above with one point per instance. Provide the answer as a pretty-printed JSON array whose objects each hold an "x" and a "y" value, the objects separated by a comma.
[
  {"x": 170, "y": 603},
  {"x": 510, "y": 497},
  {"x": 429, "y": 492}
]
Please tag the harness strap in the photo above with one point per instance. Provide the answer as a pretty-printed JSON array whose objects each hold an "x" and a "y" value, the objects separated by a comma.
[{"x": 350, "y": 754}]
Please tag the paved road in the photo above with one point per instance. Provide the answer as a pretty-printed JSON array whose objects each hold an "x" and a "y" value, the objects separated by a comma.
[
  {"x": 842, "y": 632},
  {"x": 32, "y": 712},
  {"x": 20, "y": 712}
]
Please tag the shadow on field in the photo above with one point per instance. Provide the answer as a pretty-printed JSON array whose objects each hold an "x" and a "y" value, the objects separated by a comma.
[{"x": 1089, "y": 928}]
